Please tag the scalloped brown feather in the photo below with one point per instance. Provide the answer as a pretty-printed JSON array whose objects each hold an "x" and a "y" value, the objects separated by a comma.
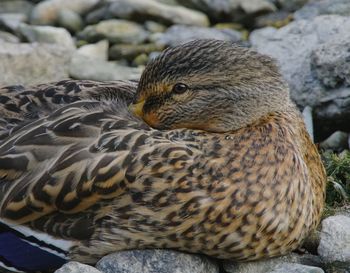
[{"x": 91, "y": 172}]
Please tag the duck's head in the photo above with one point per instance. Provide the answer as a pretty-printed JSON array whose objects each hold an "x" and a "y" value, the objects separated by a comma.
[{"x": 209, "y": 85}]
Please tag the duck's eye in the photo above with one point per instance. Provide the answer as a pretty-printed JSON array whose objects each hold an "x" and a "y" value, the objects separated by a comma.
[{"x": 180, "y": 88}]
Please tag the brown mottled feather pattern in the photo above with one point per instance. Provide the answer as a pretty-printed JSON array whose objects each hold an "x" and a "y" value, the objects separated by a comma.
[
  {"x": 18, "y": 104},
  {"x": 136, "y": 187},
  {"x": 93, "y": 173}
]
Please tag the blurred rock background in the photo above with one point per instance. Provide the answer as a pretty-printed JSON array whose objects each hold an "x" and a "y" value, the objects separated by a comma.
[{"x": 49, "y": 40}]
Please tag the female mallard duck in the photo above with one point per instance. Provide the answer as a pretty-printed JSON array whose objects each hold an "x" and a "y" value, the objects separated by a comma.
[{"x": 222, "y": 164}]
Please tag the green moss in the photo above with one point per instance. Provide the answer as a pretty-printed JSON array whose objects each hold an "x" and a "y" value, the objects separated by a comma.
[{"x": 338, "y": 172}]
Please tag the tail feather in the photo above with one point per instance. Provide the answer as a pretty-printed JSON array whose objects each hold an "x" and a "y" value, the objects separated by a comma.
[{"x": 25, "y": 250}]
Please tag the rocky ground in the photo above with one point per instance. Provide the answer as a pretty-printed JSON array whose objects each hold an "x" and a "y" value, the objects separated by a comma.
[{"x": 43, "y": 41}]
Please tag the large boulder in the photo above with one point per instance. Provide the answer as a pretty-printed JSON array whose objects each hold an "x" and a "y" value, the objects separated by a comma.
[
  {"x": 35, "y": 63},
  {"x": 313, "y": 56}
]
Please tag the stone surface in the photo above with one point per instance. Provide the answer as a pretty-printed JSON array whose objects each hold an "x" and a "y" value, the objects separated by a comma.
[
  {"x": 140, "y": 10},
  {"x": 115, "y": 31},
  {"x": 321, "y": 7},
  {"x": 154, "y": 27},
  {"x": 308, "y": 120},
  {"x": 277, "y": 19},
  {"x": 32, "y": 63},
  {"x": 295, "y": 268},
  {"x": 156, "y": 261},
  {"x": 16, "y": 6},
  {"x": 333, "y": 112},
  {"x": 8, "y": 37},
  {"x": 179, "y": 34},
  {"x": 291, "y": 5},
  {"x": 11, "y": 21},
  {"x": 229, "y": 9},
  {"x": 46, "y": 12},
  {"x": 141, "y": 60},
  {"x": 269, "y": 265},
  {"x": 338, "y": 142},
  {"x": 292, "y": 47},
  {"x": 331, "y": 62},
  {"x": 312, "y": 242},
  {"x": 129, "y": 52},
  {"x": 97, "y": 51},
  {"x": 82, "y": 67},
  {"x": 47, "y": 34},
  {"x": 70, "y": 20},
  {"x": 335, "y": 239},
  {"x": 75, "y": 267}
]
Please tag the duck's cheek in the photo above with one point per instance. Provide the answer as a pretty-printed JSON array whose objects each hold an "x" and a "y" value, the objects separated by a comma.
[{"x": 151, "y": 119}]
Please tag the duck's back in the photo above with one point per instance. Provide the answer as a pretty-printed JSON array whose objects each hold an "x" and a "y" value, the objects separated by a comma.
[
  {"x": 37, "y": 138},
  {"x": 19, "y": 104}
]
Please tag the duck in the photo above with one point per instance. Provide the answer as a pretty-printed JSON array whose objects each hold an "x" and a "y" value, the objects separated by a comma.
[{"x": 205, "y": 154}]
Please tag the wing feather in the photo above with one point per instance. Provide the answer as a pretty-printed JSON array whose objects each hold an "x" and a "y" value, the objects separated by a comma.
[{"x": 77, "y": 156}]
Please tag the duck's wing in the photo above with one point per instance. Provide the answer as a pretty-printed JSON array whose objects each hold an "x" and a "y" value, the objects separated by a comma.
[
  {"x": 20, "y": 104},
  {"x": 83, "y": 153}
]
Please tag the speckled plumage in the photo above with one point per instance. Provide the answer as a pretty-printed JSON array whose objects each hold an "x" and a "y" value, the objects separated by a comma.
[{"x": 244, "y": 184}]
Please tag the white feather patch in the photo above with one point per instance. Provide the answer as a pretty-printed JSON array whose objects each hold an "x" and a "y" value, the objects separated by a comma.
[{"x": 65, "y": 245}]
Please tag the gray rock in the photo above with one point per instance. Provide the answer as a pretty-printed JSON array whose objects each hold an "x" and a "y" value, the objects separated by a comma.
[
  {"x": 11, "y": 21},
  {"x": 70, "y": 20},
  {"x": 179, "y": 34},
  {"x": 141, "y": 60},
  {"x": 32, "y": 63},
  {"x": 75, "y": 267},
  {"x": 321, "y": 7},
  {"x": 293, "y": 45},
  {"x": 295, "y": 268},
  {"x": 140, "y": 10},
  {"x": 335, "y": 240},
  {"x": 46, "y": 12},
  {"x": 97, "y": 51},
  {"x": 115, "y": 31},
  {"x": 337, "y": 268},
  {"x": 156, "y": 261},
  {"x": 311, "y": 242},
  {"x": 331, "y": 62},
  {"x": 291, "y": 5},
  {"x": 338, "y": 142},
  {"x": 154, "y": 27},
  {"x": 229, "y": 9},
  {"x": 47, "y": 34},
  {"x": 308, "y": 120},
  {"x": 276, "y": 19},
  {"x": 269, "y": 265},
  {"x": 8, "y": 37},
  {"x": 86, "y": 68},
  {"x": 129, "y": 52},
  {"x": 333, "y": 111},
  {"x": 16, "y": 6}
]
